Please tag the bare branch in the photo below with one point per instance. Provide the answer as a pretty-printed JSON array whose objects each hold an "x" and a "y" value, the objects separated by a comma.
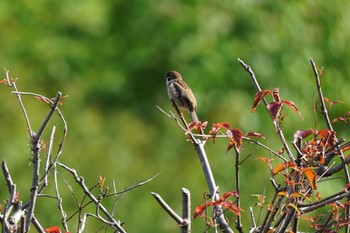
[
  {"x": 186, "y": 211},
  {"x": 80, "y": 181},
  {"x": 320, "y": 95},
  {"x": 167, "y": 208}
]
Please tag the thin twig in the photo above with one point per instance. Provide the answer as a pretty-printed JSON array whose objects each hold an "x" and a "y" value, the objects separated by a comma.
[
  {"x": 60, "y": 200},
  {"x": 134, "y": 186},
  {"x": 238, "y": 199},
  {"x": 80, "y": 181},
  {"x": 257, "y": 86},
  {"x": 13, "y": 85},
  {"x": 320, "y": 95}
]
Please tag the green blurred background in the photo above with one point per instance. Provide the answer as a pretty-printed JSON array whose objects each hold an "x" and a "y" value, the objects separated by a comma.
[{"x": 110, "y": 57}]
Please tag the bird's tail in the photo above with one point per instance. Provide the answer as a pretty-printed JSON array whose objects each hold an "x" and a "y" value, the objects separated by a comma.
[{"x": 194, "y": 116}]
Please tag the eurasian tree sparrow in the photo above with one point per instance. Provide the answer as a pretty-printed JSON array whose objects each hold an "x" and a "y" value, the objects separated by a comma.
[{"x": 180, "y": 94}]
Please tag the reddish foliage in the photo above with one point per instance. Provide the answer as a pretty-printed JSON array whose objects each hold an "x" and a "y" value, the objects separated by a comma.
[
  {"x": 345, "y": 118},
  {"x": 258, "y": 97},
  {"x": 53, "y": 229},
  {"x": 282, "y": 166},
  {"x": 254, "y": 134},
  {"x": 216, "y": 128},
  {"x": 276, "y": 105},
  {"x": 235, "y": 136},
  {"x": 311, "y": 176},
  {"x": 197, "y": 125},
  {"x": 265, "y": 160},
  {"x": 331, "y": 102},
  {"x": 222, "y": 201}
]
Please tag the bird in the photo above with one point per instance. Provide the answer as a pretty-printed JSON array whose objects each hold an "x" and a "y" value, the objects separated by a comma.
[{"x": 181, "y": 94}]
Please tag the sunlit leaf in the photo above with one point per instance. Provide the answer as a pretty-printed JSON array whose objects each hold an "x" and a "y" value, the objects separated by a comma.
[
  {"x": 329, "y": 135},
  {"x": 261, "y": 199},
  {"x": 235, "y": 136},
  {"x": 198, "y": 211},
  {"x": 311, "y": 176},
  {"x": 101, "y": 182},
  {"x": 264, "y": 159},
  {"x": 282, "y": 194},
  {"x": 53, "y": 229},
  {"x": 294, "y": 207},
  {"x": 229, "y": 205},
  {"x": 282, "y": 166},
  {"x": 295, "y": 195}
]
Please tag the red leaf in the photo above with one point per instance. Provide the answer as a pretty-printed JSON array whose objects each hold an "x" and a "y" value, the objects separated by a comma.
[
  {"x": 44, "y": 100},
  {"x": 292, "y": 106},
  {"x": 216, "y": 128},
  {"x": 327, "y": 134},
  {"x": 301, "y": 134},
  {"x": 199, "y": 211},
  {"x": 331, "y": 102},
  {"x": 344, "y": 118},
  {"x": 222, "y": 125},
  {"x": 258, "y": 97},
  {"x": 254, "y": 134},
  {"x": 345, "y": 148},
  {"x": 53, "y": 229},
  {"x": 232, "y": 207},
  {"x": 274, "y": 109},
  {"x": 235, "y": 136}
]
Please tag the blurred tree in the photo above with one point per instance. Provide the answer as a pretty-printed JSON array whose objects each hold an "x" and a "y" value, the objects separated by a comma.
[{"x": 110, "y": 58}]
